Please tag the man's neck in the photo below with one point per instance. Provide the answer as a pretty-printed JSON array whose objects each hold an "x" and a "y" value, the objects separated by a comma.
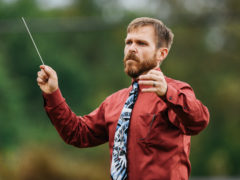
[{"x": 137, "y": 78}]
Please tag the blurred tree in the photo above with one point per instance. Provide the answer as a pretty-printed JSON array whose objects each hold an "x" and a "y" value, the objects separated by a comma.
[{"x": 84, "y": 44}]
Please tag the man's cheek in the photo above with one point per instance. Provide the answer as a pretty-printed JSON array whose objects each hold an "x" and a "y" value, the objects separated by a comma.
[{"x": 125, "y": 51}]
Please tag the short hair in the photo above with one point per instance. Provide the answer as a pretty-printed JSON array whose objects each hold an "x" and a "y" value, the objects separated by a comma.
[{"x": 163, "y": 35}]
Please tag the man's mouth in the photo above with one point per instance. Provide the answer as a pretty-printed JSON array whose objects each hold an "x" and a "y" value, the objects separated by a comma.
[
  {"x": 132, "y": 57},
  {"x": 131, "y": 60}
]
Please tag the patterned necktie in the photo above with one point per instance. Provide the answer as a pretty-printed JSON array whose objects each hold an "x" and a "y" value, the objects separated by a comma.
[{"x": 119, "y": 159}]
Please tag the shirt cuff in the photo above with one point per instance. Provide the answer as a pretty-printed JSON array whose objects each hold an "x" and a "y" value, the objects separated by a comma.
[
  {"x": 53, "y": 99},
  {"x": 171, "y": 95}
]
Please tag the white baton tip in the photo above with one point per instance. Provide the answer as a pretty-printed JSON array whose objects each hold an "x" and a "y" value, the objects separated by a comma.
[{"x": 32, "y": 40}]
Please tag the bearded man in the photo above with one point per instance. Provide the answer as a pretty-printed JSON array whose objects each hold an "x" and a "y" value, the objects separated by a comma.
[{"x": 149, "y": 124}]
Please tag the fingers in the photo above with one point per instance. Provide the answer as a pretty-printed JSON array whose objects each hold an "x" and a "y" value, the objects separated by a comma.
[
  {"x": 150, "y": 83},
  {"x": 155, "y": 79},
  {"x": 152, "y": 75},
  {"x": 45, "y": 73},
  {"x": 48, "y": 70},
  {"x": 40, "y": 81},
  {"x": 47, "y": 79},
  {"x": 149, "y": 90},
  {"x": 156, "y": 72},
  {"x": 149, "y": 77},
  {"x": 42, "y": 74},
  {"x": 42, "y": 77}
]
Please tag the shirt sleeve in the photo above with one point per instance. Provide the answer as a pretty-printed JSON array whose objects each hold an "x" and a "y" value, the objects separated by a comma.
[
  {"x": 85, "y": 131},
  {"x": 184, "y": 110}
]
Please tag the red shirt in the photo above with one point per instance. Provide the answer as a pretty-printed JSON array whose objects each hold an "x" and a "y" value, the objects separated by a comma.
[{"x": 159, "y": 132}]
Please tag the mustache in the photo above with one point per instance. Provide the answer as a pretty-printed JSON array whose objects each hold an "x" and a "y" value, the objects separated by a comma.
[{"x": 131, "y": 56}]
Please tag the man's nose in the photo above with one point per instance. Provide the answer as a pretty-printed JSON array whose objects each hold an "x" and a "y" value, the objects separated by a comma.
[{"x": 133, "y": 48}]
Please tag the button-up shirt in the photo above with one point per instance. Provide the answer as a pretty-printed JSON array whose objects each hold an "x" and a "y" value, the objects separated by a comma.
[{"x": 159, "y": 132}]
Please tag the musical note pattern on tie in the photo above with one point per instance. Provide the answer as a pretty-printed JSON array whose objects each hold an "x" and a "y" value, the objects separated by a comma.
[{"x": 119, "y": 159}]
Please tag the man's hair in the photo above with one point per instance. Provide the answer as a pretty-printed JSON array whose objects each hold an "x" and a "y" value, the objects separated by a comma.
[{"x": 163, "y": 35}]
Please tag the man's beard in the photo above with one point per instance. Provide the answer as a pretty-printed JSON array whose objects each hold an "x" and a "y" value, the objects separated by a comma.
[{"x": 139, "y": 67}]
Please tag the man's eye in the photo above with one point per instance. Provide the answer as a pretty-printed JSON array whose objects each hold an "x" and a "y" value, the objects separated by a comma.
[
  {"x": 142, "y": 43},
  {"x": 128, "y": 42}
]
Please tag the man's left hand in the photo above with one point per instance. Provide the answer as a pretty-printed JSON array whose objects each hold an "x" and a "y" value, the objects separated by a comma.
[{"x": 155, "y": 79}]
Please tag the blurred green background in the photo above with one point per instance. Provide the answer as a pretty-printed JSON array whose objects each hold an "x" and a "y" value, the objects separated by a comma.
[{"x": 83, "y": 41}]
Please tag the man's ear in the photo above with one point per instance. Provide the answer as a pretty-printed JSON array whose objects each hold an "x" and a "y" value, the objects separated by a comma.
[{"x": 161, "y": 54}]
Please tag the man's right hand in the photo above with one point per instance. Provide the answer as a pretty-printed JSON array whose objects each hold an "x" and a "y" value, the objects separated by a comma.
[{"x": 47, "y": 79}]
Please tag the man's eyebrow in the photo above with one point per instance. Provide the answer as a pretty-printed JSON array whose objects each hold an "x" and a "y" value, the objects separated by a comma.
[
  {"x": 126, "y": 39},
  {"x": 138, "y": 40},
  {"x": 142, "y": 40}
]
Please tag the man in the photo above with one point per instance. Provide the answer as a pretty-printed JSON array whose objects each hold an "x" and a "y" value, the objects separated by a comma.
[{"x": 148, "y": 125}]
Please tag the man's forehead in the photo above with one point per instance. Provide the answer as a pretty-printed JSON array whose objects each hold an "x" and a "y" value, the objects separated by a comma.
[{"x": 143, "y": 31}]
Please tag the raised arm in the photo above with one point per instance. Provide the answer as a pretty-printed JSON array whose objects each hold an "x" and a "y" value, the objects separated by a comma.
[
  {"x": 86, "y": 131},
  {"x": 184, "y": 110}
]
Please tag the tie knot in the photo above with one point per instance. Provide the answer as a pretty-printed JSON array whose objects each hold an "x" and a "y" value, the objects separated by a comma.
[{"x": 134, "y": 88}]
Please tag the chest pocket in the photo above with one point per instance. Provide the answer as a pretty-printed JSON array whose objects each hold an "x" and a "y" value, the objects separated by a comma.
[
  {"x": 155, "y": 130},
  {"x": 145, "y": 124}
]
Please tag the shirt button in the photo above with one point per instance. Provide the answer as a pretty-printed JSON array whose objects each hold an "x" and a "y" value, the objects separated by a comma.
[{"x": 170, "y": 98}]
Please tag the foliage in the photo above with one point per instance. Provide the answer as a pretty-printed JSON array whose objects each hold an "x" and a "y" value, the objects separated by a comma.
[{"x": 84, "y": 44}]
